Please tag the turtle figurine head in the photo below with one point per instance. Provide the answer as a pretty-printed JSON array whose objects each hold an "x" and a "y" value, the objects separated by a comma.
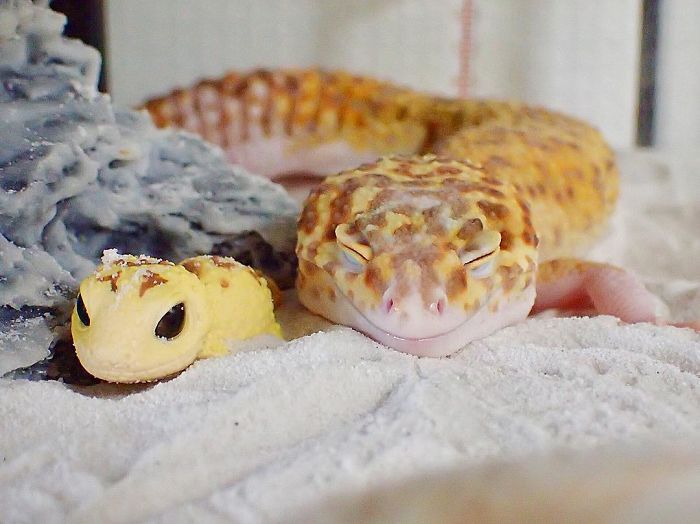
[{"x": 139, "y": 319}]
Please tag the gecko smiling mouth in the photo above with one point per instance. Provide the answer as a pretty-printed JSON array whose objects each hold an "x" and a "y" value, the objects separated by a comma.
[
  {"x": 480, "y": 324},
  {"x": 449, "y": 320}
]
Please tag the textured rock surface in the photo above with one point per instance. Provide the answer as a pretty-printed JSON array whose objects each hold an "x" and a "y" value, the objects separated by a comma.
[{"x": 78, "y": 176}]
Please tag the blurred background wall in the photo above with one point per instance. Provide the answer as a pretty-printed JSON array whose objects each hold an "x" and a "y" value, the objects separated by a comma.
[
  {"x": 584, "y": 57},
  {"x": 678, "y": 75}
]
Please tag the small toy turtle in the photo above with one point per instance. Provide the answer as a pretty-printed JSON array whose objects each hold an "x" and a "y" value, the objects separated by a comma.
[{"x": 138, "y": 319}]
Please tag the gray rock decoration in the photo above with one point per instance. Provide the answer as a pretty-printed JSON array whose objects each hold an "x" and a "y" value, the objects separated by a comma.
[{"x": 78, "y": 176}]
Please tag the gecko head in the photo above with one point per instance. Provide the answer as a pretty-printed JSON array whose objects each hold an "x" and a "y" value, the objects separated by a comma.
[
  {"x": 425, "y": 267},
  {"x": 138, "y": 319}
]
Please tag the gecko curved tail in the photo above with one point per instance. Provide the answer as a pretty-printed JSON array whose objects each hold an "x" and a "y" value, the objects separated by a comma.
[{"x": 287, "y": 122}]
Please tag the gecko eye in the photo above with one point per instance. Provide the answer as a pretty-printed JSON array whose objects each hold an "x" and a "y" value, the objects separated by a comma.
[
  {"x": 353, "y": 260},
  {"x": 480, "y": 253},
  {"x": 356, "y": 251},
  {"x": 480, "y": 247},
  {"x": 483, "y": 270},
  {"x": 82, "y": 311},
  {"x": 171, "y": 324},
  {"x": 482, "y": 266}
]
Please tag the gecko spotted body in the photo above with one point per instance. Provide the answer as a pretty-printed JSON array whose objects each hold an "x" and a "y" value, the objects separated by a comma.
[{"x": 472, "y": 214}]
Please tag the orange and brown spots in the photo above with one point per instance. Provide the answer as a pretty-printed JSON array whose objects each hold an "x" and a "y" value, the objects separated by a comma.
[
  {"x": 495, "y": 193},
  {"x": 373, "y": 278},
  {"x": 524, "y": 208},
  {"x": 223, "y": 262},
  {"x": 493, "y": 210},
  {"x": 404, "y": 233},
  {"x": 541, "y": 168},
  {"x": 129, "y": 261},
  {"x": 529, "y": 237},
  {"x": 448, "y": 170},
  {"x": 506, "y": 240},
  {"x": 456, "y": 283},
  {"x": 224, "y": 283},
  {"x": 340, "y": 209},
  {"x": 309, "y": 219},
  {"x": 149, "y": 281},
  {"x": 470, "y": 228},
  {"x": 112, "y": 278},
  {"x": 509, "y": 276},
  {"x": 193, "y": 266},
  {"x": 331, "y": 294},
  {"x": 433, "y": 223}
]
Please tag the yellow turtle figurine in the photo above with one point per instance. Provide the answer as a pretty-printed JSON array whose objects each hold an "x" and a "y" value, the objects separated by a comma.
[{"x": 139, "y": 319}]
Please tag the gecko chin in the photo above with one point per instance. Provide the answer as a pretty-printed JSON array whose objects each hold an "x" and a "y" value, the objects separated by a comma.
[
  {"x": 423, "y": 333},
  {"x": 444, "y": 342}
]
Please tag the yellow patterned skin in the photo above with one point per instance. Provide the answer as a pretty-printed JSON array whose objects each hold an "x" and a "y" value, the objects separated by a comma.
[
  {"x": 140, "y": 319},
  {"x": 437, "y": 244},
  {"x": 304, "y": 112}
]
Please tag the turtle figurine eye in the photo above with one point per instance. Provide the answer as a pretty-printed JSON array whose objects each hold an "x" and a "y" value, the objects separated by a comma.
[
  {"x": 170, "y": 325},
  {"x": 82, "y": 311}
]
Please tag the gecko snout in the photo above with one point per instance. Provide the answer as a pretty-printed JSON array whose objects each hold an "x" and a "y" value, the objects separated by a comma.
[{"x": 392, "y": 305}]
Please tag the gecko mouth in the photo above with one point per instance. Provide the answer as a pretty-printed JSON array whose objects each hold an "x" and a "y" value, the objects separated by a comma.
[
  {"x": 436, "y": 342},
  {"x": 417, "y": 339},
  {"x": 481, "y": 323},
  {"x": 435, "y": 345}
]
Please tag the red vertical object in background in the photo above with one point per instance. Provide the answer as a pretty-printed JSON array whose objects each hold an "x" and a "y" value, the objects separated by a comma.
[{"x": 465, "y": 44}]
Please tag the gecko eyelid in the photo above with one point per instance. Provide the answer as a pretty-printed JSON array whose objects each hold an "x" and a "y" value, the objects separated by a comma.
[
  {"x": 353, "y": 245},
  {"x": 353, "y": 259},
  {"x": 472, "y": 258},
  {"x": 466, "y": 259}
]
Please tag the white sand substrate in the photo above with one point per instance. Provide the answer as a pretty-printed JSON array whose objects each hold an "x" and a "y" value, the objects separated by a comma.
[{"x": 266, "y": 433}]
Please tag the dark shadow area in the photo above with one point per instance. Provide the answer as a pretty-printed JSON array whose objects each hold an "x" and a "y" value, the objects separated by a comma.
[
  {"x": 647, "y": 73},
  {"x": 86, "y": 22}
]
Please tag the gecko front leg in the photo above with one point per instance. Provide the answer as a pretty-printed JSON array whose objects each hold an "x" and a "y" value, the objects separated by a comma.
[{"x": 584, "y": 286}]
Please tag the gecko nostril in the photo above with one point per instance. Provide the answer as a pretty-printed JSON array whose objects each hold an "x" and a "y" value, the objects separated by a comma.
[
  {"x": 438, "y": 307},
  {"x": 389, "y": 305},
  {"x": 441, "y": 306}
]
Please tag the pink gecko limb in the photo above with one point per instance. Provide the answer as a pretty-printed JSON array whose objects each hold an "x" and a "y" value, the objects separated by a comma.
[{"x": 582, "y": 286}]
